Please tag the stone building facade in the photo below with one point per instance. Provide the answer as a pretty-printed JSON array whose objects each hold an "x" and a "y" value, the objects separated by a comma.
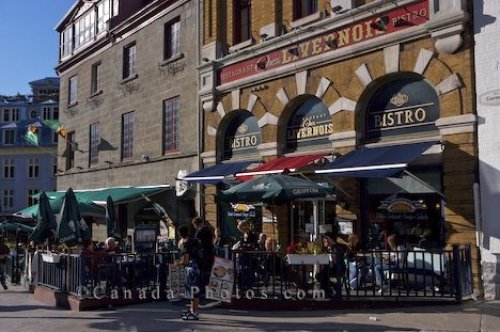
[
  {"x": 331, "y": 77},
  {"x": 128, "y": 98},
  {"x": 487, "y": 66}
]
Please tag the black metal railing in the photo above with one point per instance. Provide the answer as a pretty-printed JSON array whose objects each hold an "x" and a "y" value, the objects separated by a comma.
[
  {"x": 103, "y": 275},
  {"x": 443, "y": 274},
  {"x": 412, "y": 274}
]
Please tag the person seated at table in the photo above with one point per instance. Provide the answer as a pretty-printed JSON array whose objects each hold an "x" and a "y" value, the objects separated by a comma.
[
  {"x": 390, "y": 260},
  {"x": 335, "y": 247},
  {"x": 355, "y": 263},
  {"x": 261, "y": 242},
  {"x": 110, "y": 246}
]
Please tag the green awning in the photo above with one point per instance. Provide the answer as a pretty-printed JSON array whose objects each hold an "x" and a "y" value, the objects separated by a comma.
[
  {"x": 86, "y": 209},
  {"x": 92, "y": 201},
  {"x": 119, "y": 195}
]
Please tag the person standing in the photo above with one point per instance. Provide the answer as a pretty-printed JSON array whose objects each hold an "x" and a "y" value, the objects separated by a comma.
[
  {"x": 190, "y": 260},
  {"x": 4, "y": 251},
  {"x": 204, "y": 233}
]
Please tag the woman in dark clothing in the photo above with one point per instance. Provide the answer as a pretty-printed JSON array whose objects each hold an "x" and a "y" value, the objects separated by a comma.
[{"x": 190, "y": 259}]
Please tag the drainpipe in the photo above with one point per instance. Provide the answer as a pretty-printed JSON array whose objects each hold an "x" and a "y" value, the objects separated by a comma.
[{"x": 199, "y": 5}]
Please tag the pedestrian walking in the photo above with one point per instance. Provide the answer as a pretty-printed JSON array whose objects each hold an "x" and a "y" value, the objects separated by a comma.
[{"x": 4, "y": 251}]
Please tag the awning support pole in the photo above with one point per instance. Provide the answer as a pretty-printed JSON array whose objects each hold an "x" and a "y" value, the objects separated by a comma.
[{"x": 416, "y": 178}]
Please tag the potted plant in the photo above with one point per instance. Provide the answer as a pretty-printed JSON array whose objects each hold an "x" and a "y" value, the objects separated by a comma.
[{"x": 309, "y": 253}]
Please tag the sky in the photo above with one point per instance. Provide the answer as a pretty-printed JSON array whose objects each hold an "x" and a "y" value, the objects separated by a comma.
[{"x": 29, "y": 44}]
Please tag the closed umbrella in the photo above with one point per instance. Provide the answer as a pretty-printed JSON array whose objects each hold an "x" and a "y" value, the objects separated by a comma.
[
  {"x": 46, "y": 222},
  {"x": 110, "y": 217},
  {"x": 71, "y": 228}
]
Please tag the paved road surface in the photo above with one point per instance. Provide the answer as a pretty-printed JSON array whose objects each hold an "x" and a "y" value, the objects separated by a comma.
[{"x": 19, "y": 312}]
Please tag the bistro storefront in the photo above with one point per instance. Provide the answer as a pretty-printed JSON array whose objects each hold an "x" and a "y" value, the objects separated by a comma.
[{"x": 382, "y": 102}]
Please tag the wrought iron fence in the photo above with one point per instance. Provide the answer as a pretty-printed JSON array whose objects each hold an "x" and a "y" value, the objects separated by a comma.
[
  {"x": 274, "y": 275},
  {"x": 103, "y": 275},
  {"x": 411, "y": 274}
]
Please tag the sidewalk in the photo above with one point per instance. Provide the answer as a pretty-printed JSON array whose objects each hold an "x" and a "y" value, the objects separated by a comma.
[{"x": 20, "y": 312}]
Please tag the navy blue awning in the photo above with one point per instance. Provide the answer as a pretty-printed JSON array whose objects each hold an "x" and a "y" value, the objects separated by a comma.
[
  {"x": 216, "y": 173},
  {"x": 369, "y": 162}
]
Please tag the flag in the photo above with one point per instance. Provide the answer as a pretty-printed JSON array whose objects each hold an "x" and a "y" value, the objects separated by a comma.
[
  {"x": 56, "y": 126},
  {"x": 32, "y": 135}
]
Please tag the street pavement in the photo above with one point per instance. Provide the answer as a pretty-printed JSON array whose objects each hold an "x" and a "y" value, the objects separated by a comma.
[{"x": 20, "y": 312}]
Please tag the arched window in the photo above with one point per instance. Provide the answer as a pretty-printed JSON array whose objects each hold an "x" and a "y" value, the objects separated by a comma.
[
  {"x": 402, "y": 107},
  {"x": 310, "y": 124},
  {"x": 242, "y": 136}
]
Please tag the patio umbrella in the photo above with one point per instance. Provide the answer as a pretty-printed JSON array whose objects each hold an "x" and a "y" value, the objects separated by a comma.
[
  {"x": 12, "y": 227},
  {"x": 46, "y": 222},
  {"x": 110, "y": 217},
  {"x": 273, "y": 188},
  {"x": 71, "y": 228}
]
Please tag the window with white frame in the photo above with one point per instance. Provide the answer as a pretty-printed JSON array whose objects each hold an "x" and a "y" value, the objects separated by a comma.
[
  {"x": 10, "y": 114},
  {"x": 129, "y": 60},
  {"x": 128, "y": 123},
  {"x": 8, "y": 168},
  {"x": 50, "y": 113},
  {"x": 171, "y": 125},
  {"x": 8, "y": 199},
  {"x": 172, "y": 43},
  {"x": 84, "y": 29},
  {"x": 115, "y": 7},
  {"x": 32, "y": 200},
  {"x": 95, "y": 139},
  {"x": 9, "y": 136},
  {"x": 103, "y": 15},
  {"x": 73, "y": 90},
  {"x": 33, "y": 168},
  {"x": 67, "y": 41}
]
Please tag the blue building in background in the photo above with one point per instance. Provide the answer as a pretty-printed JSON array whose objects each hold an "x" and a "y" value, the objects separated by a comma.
[{"x": 26, "y": 169}]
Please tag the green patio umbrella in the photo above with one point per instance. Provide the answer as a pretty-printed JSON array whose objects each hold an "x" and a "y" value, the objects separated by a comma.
[
  {"x": 12, "y": 227},
  {"x": 275, "y": 189},
  {"x": 71, "y": 228},
  {"x": 46, "y": 222},
  {"x": 110, "y": 217}
]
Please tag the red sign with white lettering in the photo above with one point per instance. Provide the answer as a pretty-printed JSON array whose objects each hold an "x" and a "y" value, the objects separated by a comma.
[{"x": 391, "y": 21}]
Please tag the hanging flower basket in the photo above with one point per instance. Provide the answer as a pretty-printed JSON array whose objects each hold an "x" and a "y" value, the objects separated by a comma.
[
  {"x": 51, "y": 258},
  {"x": 309, "y": 259}
]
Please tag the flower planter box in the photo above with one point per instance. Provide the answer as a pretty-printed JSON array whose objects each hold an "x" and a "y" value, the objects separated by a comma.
[
  {"x": 51, "y": 258},
  {"x": 296, "y": 259}
]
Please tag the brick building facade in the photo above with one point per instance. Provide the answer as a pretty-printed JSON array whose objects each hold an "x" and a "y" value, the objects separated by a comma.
[{"x": 359, "y": 74}]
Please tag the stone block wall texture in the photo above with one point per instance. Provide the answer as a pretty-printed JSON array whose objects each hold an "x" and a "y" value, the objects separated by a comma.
[{"x": 487, "y": 69}]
